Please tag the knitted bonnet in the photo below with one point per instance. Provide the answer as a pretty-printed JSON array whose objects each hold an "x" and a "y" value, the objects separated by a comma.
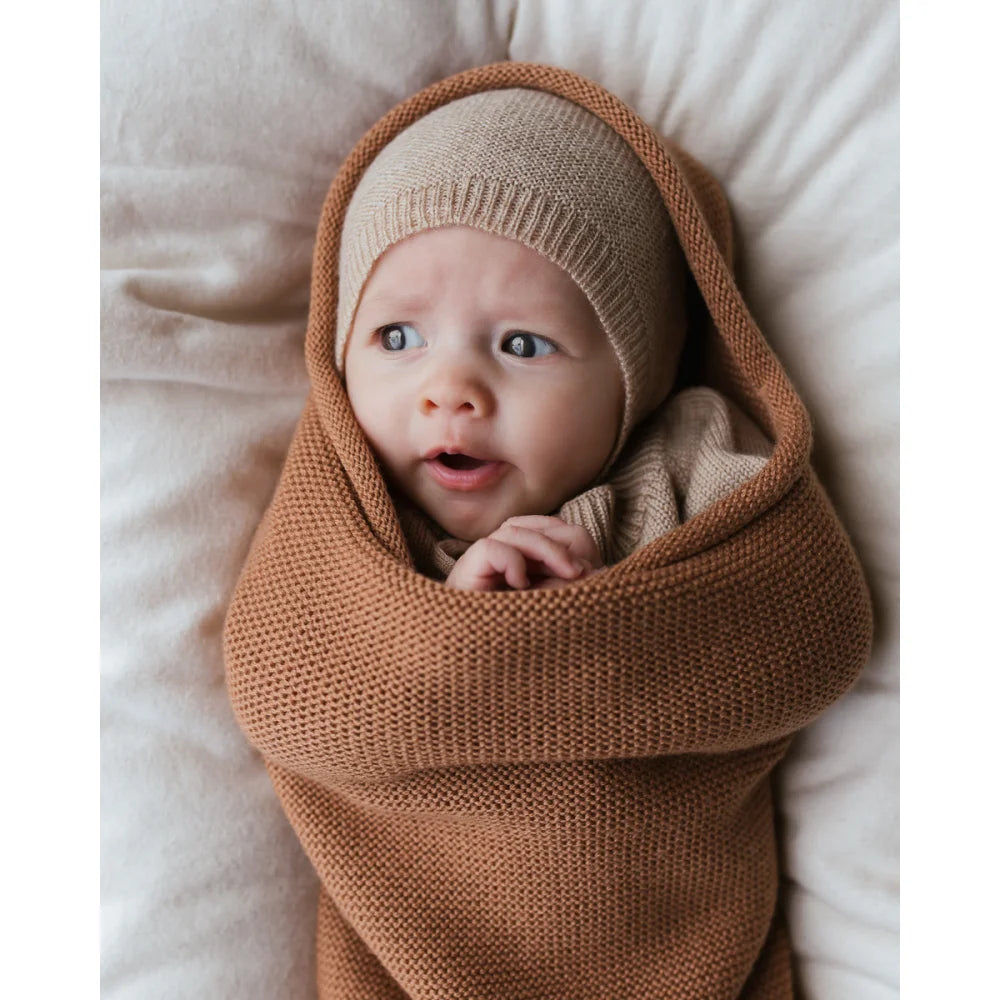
[{"x": 536, "y": 168}]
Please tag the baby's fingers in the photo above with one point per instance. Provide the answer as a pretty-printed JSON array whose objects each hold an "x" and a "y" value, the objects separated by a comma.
[
  {"x": 486, "y": 564},
  {"x": 507, "y": 561},
  {"x": 576, "y": 539},
  {"x": 553, "y": 555}
]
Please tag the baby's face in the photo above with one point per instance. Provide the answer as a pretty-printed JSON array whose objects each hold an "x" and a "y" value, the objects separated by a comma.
[{"x": 471, "y": 346}]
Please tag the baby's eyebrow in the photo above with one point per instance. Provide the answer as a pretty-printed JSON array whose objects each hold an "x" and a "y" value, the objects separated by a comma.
[{"x": 398, "y": 302}]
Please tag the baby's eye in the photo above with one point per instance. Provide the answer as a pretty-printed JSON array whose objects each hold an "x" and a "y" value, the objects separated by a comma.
[
  {"x": 399, "y": 336},
  {"x": 528, "y": 345}
]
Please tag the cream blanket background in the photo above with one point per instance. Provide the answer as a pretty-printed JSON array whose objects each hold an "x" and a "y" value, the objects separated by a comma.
[{"x": 222, "y": 126}]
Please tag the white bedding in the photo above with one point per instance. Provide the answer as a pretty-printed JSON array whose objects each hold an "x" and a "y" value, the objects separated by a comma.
[{"x": 222, "y": 126}]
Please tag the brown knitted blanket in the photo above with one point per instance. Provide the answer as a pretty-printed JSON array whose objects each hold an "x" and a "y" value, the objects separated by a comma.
[{"x": 554, "y": 794}]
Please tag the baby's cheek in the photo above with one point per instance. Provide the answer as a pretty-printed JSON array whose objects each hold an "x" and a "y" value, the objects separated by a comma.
[
  {"x": 369, "y": 410},
  {"x": 378, "y": 440}
]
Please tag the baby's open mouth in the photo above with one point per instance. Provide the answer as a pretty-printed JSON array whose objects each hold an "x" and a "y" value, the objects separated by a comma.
[
  {"x": 457, "y": 471},
  {"x": 460, "y": 461}
]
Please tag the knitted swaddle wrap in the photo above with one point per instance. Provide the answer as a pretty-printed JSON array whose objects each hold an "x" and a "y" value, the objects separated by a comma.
[{"x": 553, "y": 794}]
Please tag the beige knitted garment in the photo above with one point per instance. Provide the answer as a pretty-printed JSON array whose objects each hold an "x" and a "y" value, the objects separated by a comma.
[{"x": 552, "y": 794}]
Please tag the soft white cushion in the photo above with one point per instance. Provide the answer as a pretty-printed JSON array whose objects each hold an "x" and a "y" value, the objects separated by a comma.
[{"x": 222, "y": 127}]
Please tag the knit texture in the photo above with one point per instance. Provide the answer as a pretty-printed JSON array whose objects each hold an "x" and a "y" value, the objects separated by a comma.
[
  {"x": 554, "y": 794},
  {"x": 536, "y": 168}
]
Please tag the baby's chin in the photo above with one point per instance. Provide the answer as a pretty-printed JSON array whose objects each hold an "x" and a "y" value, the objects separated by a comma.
[
  {"x": 470, "y": 516},
  {"x": 469, "y": 527},
  {"x": 470, "y": 524}
]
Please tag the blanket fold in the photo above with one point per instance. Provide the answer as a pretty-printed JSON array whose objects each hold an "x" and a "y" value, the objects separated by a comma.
[{"x": 552, "y": 794}]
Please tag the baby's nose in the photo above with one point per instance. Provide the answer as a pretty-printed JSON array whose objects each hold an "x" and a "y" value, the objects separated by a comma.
[{"x": 456, "y": 392}]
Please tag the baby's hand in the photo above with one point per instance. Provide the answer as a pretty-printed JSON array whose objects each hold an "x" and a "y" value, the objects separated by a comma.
[{"x": 533, "y": 551}]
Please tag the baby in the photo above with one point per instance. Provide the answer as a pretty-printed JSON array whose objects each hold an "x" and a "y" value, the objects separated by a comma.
[
  {"x": 557, "y": 789},
  {"x": 512, "y": 307}
]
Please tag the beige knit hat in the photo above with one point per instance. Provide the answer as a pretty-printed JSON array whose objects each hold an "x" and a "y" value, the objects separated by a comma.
[{"x": 533, "y": 167}]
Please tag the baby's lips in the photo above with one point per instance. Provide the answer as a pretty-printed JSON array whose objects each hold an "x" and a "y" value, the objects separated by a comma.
[
  {"x": 456, "y": 449},
  {"x": 482, "y": 474}
]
